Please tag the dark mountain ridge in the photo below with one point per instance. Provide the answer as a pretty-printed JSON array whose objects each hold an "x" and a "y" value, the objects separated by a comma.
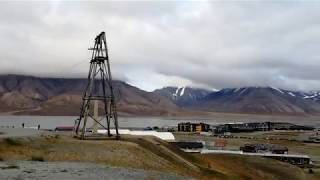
[
  {"x": 256, "y": 100},
  {"x": 61, "y": 96}
]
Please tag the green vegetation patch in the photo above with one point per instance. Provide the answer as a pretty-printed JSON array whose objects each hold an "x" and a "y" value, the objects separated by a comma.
[
  {"x": 13, "y": 142},
  {"x": 37, "y": 158}
]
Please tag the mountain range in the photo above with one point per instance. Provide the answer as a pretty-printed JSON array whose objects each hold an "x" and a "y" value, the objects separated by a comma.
[
  {"x": 30, "y": 95},
  {"x": 257, "y": 100}
]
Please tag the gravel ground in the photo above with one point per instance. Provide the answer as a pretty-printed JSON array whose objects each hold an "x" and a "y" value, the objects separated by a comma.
[
  {"x": 27, "y": 170},
  {"x": 18, "y": 132}
]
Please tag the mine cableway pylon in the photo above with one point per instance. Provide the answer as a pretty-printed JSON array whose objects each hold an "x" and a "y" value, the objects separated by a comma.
[{"x": 99, "y": 90}]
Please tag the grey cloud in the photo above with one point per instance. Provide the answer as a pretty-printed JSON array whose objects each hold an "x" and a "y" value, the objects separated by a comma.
[{"x": 154, "y": 44}]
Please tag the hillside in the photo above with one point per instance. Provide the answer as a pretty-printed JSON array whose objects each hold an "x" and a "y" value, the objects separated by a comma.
[
  {"x": 59, "y": 96},
  {"x": 142, "y": 152},
  {"x": 257, "y": 100}
]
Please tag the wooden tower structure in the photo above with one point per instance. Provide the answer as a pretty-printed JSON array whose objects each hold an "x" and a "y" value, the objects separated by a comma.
[{"x": 99, "y": 90}]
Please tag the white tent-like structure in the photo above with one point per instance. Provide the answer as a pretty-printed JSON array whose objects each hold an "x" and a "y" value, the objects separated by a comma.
[{"x": 166, "y": 136}]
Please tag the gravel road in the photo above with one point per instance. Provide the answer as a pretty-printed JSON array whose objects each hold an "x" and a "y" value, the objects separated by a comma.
[{"x": 32, "y": 170}]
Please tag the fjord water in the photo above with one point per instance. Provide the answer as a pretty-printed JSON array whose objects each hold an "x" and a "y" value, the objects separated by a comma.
[{"x": 50, "y": 122}]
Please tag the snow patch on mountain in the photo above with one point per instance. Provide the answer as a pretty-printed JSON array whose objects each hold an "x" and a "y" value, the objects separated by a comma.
[
  {"x": 236, "y": 90},
  {"x": 277, "y": 89},
  {"x": 244, "y": 89},
  {"x": 311, "y": 96},
  {"x": 291, "y": 94},
  {"x": 182, "y": 91},
  {"x": 176, "y": 93}
]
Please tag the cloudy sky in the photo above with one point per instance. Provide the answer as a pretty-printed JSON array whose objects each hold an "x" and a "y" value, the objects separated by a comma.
[{"x": 154, "y": 44}]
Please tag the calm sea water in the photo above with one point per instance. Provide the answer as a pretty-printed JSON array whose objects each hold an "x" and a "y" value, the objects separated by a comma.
[{"x": 50, "y": 122}]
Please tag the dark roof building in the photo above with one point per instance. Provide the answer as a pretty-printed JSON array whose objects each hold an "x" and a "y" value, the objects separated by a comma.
[
  {"x": 264, "y": 148},
  {"x": 189, "y": 145}
]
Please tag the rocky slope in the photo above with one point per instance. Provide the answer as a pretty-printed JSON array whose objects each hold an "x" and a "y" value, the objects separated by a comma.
[{"x": 59, "y": 96}]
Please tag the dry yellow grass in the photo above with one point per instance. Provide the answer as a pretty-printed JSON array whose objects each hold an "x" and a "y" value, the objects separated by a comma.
[{"x": 144, "y": 153}]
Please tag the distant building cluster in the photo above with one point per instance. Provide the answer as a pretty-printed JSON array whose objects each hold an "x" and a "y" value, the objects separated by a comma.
[
  {"x": 273, "y": 151},
  {"x": 239, "y": 127},
  {"x": 257, "y": 126}
]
